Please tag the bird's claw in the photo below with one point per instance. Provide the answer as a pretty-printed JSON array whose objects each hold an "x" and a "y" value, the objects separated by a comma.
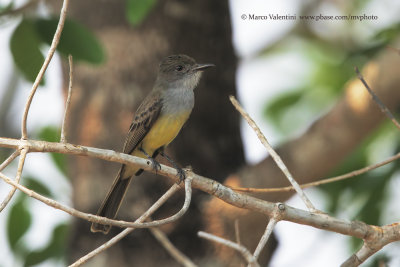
[
  {"x": 155, "y": 164},
  {"x": 181, "y": 174}
]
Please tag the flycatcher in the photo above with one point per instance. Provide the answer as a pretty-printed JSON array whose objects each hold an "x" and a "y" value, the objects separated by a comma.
[{"x": 157, "y": 122}]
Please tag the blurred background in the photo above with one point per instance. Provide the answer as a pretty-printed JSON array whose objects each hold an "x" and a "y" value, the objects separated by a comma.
[{"x": 294, "y": 75}]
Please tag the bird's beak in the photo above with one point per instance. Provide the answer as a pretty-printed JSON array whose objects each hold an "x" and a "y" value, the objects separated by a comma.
[{"x": 201, "y": 67}]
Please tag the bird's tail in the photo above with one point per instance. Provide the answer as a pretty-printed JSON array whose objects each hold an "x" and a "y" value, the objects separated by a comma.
[{"x": 112, "y": 202}]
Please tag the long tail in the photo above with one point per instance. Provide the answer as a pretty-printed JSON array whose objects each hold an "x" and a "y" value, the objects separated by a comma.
[{"x": 112, "y": 202}]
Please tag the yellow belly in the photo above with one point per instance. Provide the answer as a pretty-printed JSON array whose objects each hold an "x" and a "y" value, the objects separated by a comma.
[{"x": 163, "y": 131}]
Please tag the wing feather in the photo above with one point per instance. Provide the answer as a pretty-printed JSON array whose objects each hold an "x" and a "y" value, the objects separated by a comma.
[{"x": 145, "y": 116}]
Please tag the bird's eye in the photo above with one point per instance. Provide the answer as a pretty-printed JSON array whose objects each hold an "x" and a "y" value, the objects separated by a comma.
[{"x": 179, "y": 67}]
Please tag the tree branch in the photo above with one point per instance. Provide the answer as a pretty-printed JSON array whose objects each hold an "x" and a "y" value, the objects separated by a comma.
[
  {"x": 345, "y": 176},
  {"x": 317, "y": 220},
  {"x": 374, "y": 237},
  {"x": 125, "y": 232},
  {"x": 270, "y": 226},
  {"x": 172, "y": 250},
  {"x": 273, "y": 154},
  {"x": 373, "y": 243},
  {"x": 9, "y": 160},
  {"x": 382, "y": 106},
  {"x": 63, "y": 138},
  {"x": 104, "y": 220},
  {"x": 21, "y": 162},
  {"x": 251, "y": 260}
]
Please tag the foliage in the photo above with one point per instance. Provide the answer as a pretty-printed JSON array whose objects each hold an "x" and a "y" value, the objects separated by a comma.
[
  {"x": 333, "y": 66},
  {"x": 366, "y": 194},
  {"x": 137, "y": 10},
  {"x": 28, "y": 39},
  {"x": 19, "y": 222},
  {"x": 32, "y": 33},
  {"x": 75, "y": 39},
  {"x": 54, "y": 249},
  {"x": 25, "y": 48}
]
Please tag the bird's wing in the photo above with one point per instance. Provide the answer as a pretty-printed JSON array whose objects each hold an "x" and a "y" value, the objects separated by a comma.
[{"x": 145, "y": 116}]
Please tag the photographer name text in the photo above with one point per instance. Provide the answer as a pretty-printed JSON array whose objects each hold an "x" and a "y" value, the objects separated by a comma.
[{"x": 319, "y": 17}]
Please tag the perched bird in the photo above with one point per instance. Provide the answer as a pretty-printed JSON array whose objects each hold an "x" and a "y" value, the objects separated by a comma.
[{"x": 157, "y": 122}]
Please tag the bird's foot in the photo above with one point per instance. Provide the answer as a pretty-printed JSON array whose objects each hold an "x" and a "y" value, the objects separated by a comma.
[
  {"x": 156, "y": 165},
  {"x": 181, "y": 174},
  {"x": 179, "y": 171}
]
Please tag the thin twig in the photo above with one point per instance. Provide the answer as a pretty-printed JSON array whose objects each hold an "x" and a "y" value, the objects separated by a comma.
[
  {"x": 263, "y": 241},
  {"x": 382, "y": 106},
  {"x": 103, "y": 220},
  {"x": 237, "y": 232},
  {"x": 360, "y": 256},
  {"x": 21, "y": 162},
  {"x": 244, "y": 251},
  {"x": 63, "y": 138},
  {"x": 372, "y": 244},
  {"x": 237, "y": 236},
  {"x": 320, "y": 182},
  {"x": 273, "y": 154},
  {"x": 172, "y": 250},
  {"x": 9, "y": 159},
  {"x": 39, "y": 77},
  {"x": 276, "y": 216},
  {"x": 125, "y": 232}
]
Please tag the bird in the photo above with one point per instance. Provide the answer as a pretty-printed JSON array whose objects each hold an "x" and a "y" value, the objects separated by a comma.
[{"x": 156, "y": 123}]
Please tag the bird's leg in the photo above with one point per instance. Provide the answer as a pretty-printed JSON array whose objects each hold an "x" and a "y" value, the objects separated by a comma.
[
  {"x": 156, "y": 165},
  {"x": 179, "y": 172}
]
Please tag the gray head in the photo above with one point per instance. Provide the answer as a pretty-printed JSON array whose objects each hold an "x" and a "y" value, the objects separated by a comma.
[{"x": 179, "y": 71}]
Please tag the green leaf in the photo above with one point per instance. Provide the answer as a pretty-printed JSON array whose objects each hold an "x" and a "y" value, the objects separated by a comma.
[
  {"x": 356, "y": 160},
  {"x": 55, "y": 248},
  {"x": 49, "y": 134},
  {"x": 371, "y": 212},
  {"x": 136, "y": 10},
  {"x": 388, "y": 34},
  {"x": 37, "y": 186},
  {"x": 75, "y": 39},
  {"x": 365, "y": 194},
  {"x": 18, "y": 223},
  {"x": 24, "y": 45},
  {"x": 282, "y": 102},
  {"x": 374, "y": 186},
  {"x": 36, "y": 257},
  {"x": 277, "y": 108},
  {"x": 52, "y": 134},
  {"x": 58, "y": 242}
]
